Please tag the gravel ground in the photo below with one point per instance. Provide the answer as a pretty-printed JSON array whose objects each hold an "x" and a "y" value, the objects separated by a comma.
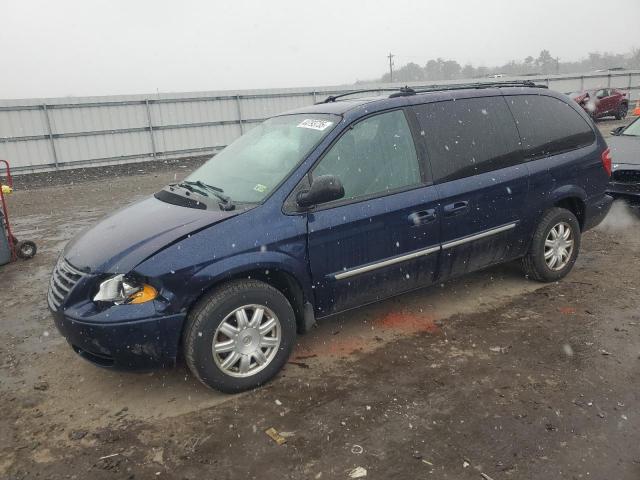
[{"x": 490, "y": 374}]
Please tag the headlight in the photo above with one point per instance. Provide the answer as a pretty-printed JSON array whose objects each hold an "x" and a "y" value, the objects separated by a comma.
[{"x": 120, "y": 291}]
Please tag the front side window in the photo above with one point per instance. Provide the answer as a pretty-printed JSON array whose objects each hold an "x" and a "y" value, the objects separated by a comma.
[
  {"x": 468, "y": 136},
  {"x": 374, "y": 156},
  {"x": 548, "y": 126},
  {"x": 252, "y": 166}
]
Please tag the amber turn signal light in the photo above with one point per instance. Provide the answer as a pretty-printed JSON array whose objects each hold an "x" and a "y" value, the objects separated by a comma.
[{"x": 145, "y": 294}]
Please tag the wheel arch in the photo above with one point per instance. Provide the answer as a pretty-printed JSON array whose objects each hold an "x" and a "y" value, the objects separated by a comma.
[
  {"x": 288, "y": 277},
  {"x": 572, "y": 198},
  {"x": 576, "y": 206},
  {"x": 286, "y": 283}
]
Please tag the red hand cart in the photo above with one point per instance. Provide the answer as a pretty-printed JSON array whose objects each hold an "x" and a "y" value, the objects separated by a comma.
[{"x": 19, "y": 249}]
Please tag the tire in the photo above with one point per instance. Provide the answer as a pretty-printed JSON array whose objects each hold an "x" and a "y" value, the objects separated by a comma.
[
  {"x": 26, "y": 249},
  {"x": 534, "y": 264},
  {"x": 205, "y": 325},
  {"x": 621, "y": 113}
]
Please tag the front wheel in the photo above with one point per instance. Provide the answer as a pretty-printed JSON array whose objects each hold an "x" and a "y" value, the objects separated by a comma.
[
  {"x": 554, "y": 247},
  {"x": 239, "y": 336}
]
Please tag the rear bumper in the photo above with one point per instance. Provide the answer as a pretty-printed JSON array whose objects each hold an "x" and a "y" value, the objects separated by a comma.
[
  {"x": 137, "y": 345},
  {"x": 596, "y": 211},
  {"x": 629, "y": 192}
]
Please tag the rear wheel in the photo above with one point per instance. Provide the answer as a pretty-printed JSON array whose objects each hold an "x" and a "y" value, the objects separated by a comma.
[
  {"x": 239, "y": 336},
  {"x": 554, "y": 247},
  {"x": 622, "y": 111}
]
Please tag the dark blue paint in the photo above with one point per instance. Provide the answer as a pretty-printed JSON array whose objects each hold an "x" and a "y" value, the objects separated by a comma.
[
  {"x": 366, "y": 232},
  {"x": 185, "y": 252},
  {"x": 493, "y": 199},
  {"x": 124, "y": 239}
]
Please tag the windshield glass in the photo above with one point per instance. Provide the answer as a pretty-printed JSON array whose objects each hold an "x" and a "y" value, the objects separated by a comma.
[
  {"x": 633, "y": 129},
  {"x": 249, "y": 168}
]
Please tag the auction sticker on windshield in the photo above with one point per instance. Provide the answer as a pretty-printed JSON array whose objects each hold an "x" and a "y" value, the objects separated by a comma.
[{"x": 315, "y": 124}]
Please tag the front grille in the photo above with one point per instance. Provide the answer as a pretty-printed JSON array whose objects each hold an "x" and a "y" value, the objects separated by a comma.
[
  {"x": 64, "y": 277},
  {"x": 626, "y": 176}
]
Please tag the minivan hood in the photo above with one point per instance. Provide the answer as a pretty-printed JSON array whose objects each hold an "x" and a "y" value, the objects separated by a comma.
[
  {"x": 125, "y": 238},
  {"x": 625, "y": 149}
]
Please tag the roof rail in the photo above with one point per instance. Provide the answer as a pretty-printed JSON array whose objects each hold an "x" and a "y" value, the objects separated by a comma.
[
  {"x": 407, "y": 91},
  {"x": 403, "y": 92},
  {"x": 333, "y": 98},
  {"x": 478, "y": 85}
]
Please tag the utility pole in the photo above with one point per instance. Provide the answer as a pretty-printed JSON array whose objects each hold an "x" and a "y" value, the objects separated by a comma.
[{"x": 390, "y": 57}]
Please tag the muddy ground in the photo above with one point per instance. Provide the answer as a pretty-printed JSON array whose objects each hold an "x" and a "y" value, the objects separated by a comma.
[{"x": 490, "y": 374}]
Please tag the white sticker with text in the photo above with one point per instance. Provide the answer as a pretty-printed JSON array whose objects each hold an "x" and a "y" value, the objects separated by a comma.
[{"x": 315, "y": 124}]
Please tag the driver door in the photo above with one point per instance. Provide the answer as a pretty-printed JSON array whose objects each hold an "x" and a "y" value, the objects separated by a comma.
[{"x": 382, "y": 238}]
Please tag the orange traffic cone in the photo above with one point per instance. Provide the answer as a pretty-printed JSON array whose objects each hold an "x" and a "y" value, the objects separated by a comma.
[{"x": 636, "y": 111}]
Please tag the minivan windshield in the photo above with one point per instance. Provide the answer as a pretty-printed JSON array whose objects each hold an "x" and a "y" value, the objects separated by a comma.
[{"x": 248, "y": 169}]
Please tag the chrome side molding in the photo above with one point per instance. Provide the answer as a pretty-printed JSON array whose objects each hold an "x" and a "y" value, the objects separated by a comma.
[
  {"x": 478, "y": 236},
  {"x": 422, "y": 252},
  {"x": 386, "y": 263}
]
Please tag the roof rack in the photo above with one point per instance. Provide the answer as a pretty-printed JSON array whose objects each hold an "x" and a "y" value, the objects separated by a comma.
[
  {"x": 333, "y": 98},
  {"x": 403, "y": 92},
  {"x": 408, "y": 91},
  {"x": 478, "y": 85}
]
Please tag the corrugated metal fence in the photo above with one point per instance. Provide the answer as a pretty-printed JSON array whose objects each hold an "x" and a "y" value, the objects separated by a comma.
[{"x": 60, "y": 133}]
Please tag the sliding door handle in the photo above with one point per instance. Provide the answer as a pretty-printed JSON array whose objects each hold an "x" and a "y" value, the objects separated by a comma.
[{"x": 456, "y": 208}]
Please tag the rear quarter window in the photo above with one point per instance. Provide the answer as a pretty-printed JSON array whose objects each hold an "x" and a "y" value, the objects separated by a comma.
[
  {"x": 468, "y": 136},
  {"x": 548, "y": 126}
]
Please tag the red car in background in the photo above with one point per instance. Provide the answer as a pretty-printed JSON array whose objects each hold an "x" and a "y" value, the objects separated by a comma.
[{"x": 603, "y": 102}]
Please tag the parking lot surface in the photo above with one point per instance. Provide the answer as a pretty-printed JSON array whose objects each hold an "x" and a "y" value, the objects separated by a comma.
[{"x": 490, "y": 374}]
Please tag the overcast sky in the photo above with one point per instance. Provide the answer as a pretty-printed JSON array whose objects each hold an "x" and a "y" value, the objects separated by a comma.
[{"x": 101, "y": 47}]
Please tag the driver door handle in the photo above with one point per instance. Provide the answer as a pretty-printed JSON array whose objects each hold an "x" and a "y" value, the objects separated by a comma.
[{"x": 421, "y": 217}]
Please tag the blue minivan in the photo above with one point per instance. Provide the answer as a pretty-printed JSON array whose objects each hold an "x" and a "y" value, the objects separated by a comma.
[{"x": 327, "y": 208}]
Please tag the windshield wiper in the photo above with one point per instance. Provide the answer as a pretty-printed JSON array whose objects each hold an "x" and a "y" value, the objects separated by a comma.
[
  {"x": 225, "y": 200},
  {"x": 187, "y": 186}
]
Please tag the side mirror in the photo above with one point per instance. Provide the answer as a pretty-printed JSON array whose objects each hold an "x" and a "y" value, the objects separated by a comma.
[
  {"x": 324, "y": 188},
  {"x": 617, "y": 131}
]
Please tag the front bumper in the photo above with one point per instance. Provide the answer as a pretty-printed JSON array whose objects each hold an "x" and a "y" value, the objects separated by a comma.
[{"x": 136, "y": 345}]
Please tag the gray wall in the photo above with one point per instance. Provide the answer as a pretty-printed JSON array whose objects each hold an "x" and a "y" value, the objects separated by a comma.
[{"x": 60, "y": 133}]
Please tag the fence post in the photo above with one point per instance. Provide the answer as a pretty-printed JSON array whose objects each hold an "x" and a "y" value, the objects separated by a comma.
[
  {"x": 609, "y": 81},
  {"x": 50, "y": 135},
  {"x": 239, "y": 114},
  {"x": 581, "y": 82},
  {"x": 153, "y": 140}
]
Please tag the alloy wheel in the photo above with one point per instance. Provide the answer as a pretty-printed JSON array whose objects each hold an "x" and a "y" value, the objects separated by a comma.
[
  {"x": 246, "y": 341},
  {"x": 558, "y": 246}
]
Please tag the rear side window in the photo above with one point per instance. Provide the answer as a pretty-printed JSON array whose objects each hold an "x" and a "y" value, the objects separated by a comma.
[
  {"x": 469, "y": 136},
  {"x": 548, "y": 126}
]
